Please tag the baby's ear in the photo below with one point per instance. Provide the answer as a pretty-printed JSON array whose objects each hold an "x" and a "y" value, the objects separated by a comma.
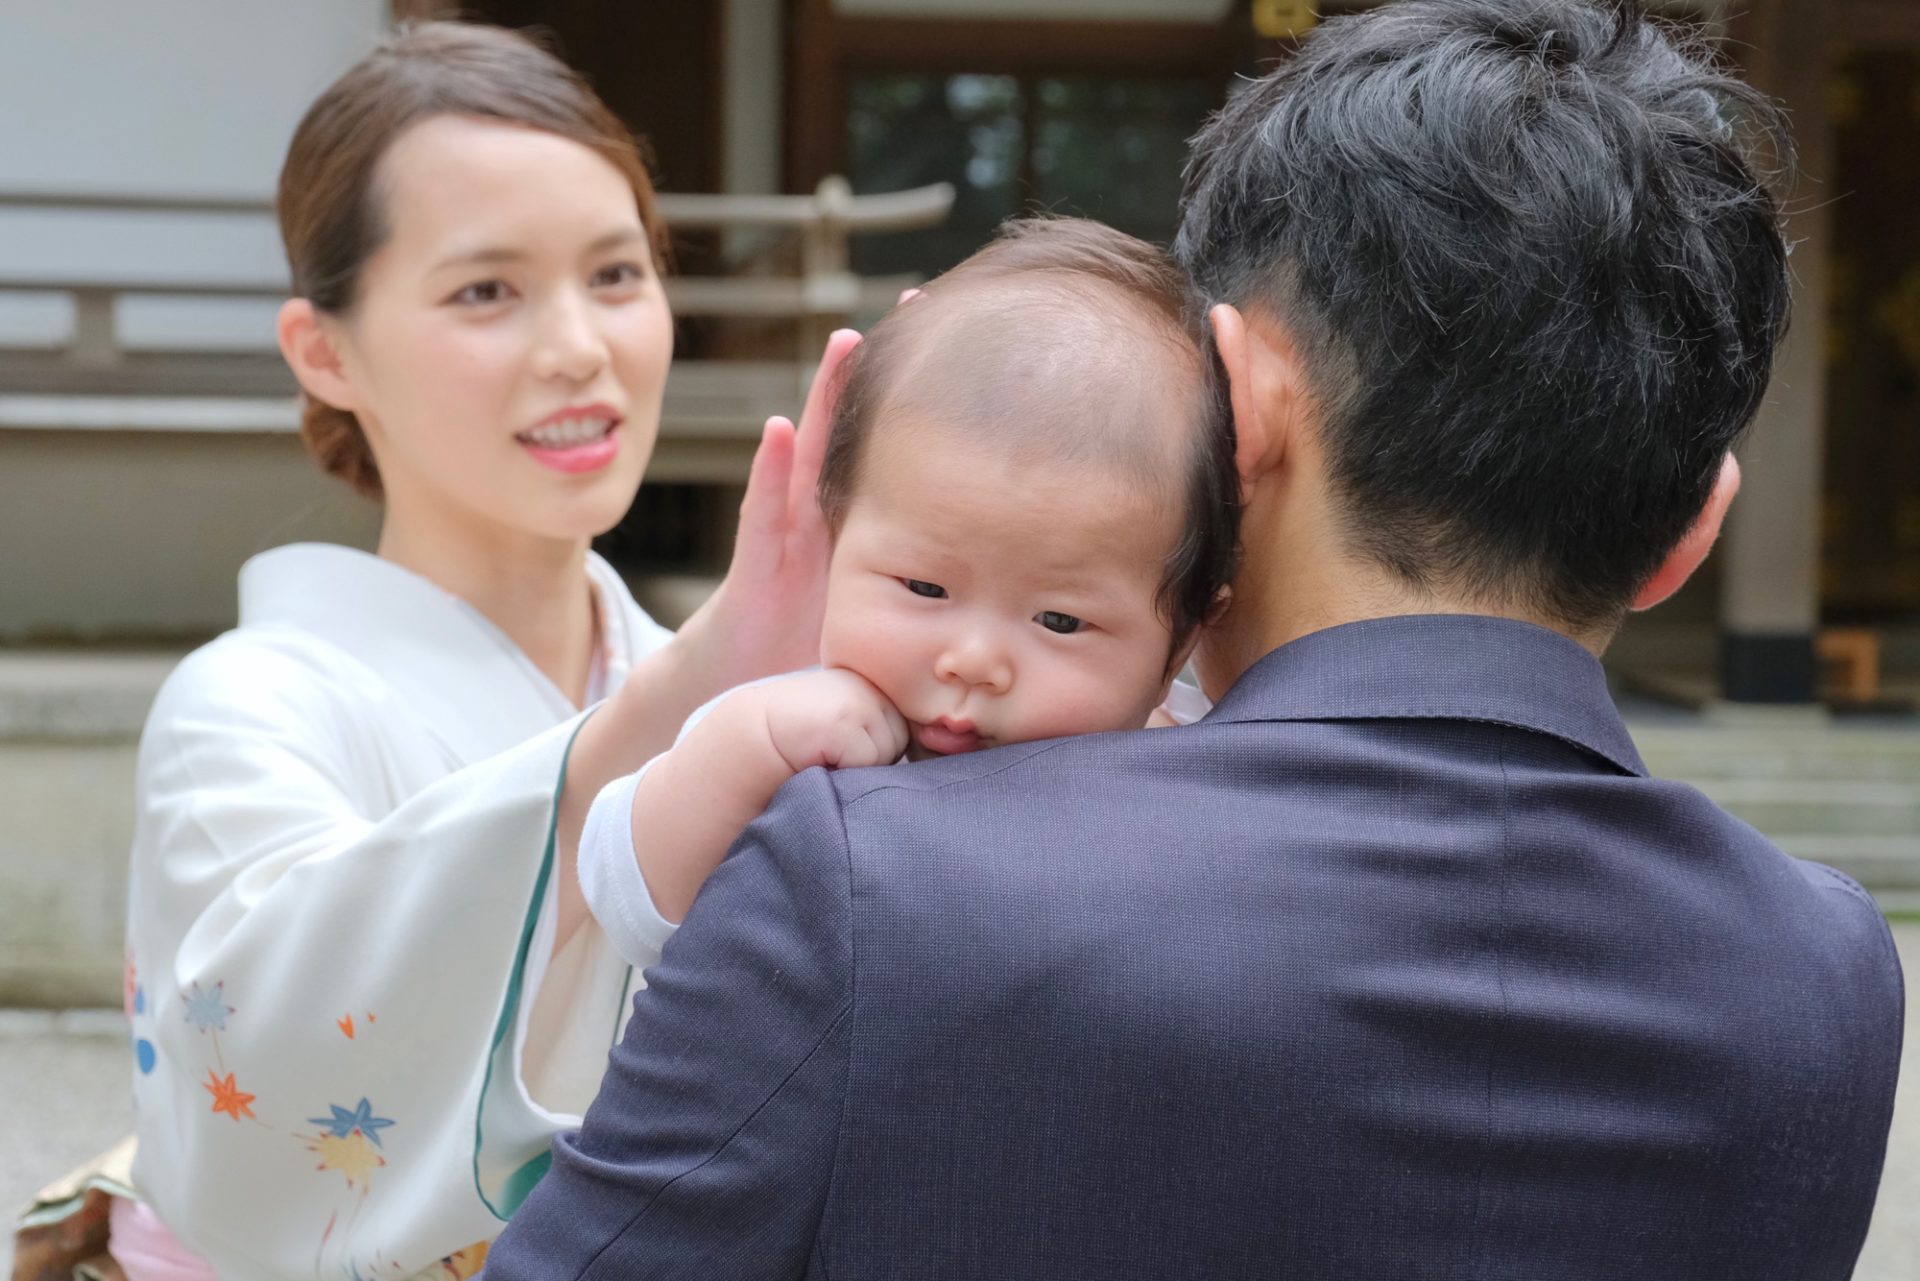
[{"x": 1222, "y": 602}]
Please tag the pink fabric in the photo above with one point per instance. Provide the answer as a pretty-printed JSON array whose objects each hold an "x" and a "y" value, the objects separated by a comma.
[{"x": 146, "y": 1250}]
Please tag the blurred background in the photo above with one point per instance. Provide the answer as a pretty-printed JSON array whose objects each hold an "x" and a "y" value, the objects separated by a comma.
[{"x": 817, "y": 156}]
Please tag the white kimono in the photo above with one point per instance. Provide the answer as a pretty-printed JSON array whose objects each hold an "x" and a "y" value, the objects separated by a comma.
[{"x": 352, "y": 1041}]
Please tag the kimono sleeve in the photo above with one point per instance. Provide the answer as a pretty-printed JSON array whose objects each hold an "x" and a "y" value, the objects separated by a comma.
[
  {"x": 332, "y": 942},
  {"x": 711, "y": 1149}
]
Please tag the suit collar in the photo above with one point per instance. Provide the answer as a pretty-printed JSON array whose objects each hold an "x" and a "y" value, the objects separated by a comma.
[{"x": 1439, "y": 667}]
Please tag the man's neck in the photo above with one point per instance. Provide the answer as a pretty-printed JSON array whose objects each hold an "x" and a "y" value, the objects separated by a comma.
[{"x": 1294, "y": 583}]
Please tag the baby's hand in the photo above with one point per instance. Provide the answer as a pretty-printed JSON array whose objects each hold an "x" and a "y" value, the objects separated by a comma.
[{"x": 833, "y": 718}]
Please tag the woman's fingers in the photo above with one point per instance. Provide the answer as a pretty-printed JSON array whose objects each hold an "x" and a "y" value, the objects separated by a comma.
[
  {"x": 816, "y": 421},
  {"x": 763, "y": 512}
]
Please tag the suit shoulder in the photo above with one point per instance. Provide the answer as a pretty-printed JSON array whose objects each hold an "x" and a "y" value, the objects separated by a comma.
[
  {"x": 1857, "y": 914},
  {"x": 853, "y": 786}
]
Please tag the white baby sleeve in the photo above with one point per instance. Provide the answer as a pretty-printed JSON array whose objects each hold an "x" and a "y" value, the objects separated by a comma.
[
  {"x": 609, "y": 865},
  {"x": 610, "y": 877}
]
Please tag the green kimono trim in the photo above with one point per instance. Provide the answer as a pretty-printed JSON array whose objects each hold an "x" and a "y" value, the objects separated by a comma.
[{"x": 523, "y": 1180}]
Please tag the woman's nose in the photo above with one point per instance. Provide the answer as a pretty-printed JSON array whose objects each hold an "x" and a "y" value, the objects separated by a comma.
[
  {"x": 570, "y": 346},
  {"x": 975, "y": 661}
]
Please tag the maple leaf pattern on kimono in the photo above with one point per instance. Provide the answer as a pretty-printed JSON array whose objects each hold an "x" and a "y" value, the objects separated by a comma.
[
  {"x": 228, "y": 1097},
  {"x": 344, "y": 1122},
  {"x": 348, "y": 1154},
  {"x": 208, "y": 1009}
]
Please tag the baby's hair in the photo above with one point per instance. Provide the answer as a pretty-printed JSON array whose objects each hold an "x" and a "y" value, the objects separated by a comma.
[{"x": 1062, "y": 340}]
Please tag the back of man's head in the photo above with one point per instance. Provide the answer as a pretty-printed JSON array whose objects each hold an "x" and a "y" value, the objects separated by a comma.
[{"x": 1533, "y": 274}]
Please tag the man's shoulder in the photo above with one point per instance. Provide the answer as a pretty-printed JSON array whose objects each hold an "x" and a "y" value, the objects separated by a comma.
[
  {"x": 854, "y": 786},
  {"x": 1049, "y": 771}
]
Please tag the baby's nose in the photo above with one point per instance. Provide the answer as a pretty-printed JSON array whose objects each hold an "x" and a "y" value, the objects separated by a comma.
[{"x": 976, "y": 662}]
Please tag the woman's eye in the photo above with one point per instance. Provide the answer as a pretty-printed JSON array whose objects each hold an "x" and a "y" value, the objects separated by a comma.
[
  {"x": 918, "y": 588},
  {"x": 1055, "y": 621},
  {"x": 617, "y": 274},
  {"x": 482, "y": 293}
]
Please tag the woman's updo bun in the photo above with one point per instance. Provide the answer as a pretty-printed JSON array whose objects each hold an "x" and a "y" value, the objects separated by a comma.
[{"x": 334, "y": 440}]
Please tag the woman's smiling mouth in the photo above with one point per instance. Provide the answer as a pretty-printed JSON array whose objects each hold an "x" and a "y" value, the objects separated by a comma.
[{"x": 574, "y": 440}]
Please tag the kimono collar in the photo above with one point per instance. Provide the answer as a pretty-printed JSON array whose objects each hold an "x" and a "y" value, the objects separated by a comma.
[
  {"x": 1439, "y": 667},
  {"x": 470, "y": 684}
]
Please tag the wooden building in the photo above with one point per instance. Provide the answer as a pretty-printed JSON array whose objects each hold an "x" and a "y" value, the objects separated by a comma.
[{"x": 1084, "y": 106}]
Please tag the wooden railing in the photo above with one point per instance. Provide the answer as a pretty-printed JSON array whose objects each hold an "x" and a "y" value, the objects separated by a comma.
[{"x": 714, "y": 408}]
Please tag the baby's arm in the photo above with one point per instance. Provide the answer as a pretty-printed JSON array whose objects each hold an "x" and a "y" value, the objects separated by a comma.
[{"x": 694, "y": 800}]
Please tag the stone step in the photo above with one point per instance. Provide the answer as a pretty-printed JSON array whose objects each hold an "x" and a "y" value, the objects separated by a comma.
[
  {"x": 1870, "y": 807},
  {"x": 1887, "y": 865},
  {"x": 1845, "y": 755}
]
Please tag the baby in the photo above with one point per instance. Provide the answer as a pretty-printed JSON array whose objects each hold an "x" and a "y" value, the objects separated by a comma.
[{"x": 1031, "y": 492}]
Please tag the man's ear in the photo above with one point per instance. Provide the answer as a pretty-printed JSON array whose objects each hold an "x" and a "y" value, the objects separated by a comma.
[
  {"x": 313, "y": 355},
  {"x": 1693, "y": 547},
  {"x": 1263, "y": 383}
]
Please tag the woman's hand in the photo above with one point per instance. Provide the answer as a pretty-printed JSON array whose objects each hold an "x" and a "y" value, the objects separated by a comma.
[{"x": 765, "y": 617}]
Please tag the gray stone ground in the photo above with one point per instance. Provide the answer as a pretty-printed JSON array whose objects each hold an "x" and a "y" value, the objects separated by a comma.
[{"x": 63, "y": 1097}]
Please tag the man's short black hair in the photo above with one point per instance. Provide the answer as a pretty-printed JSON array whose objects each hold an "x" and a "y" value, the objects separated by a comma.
[{"x": 1535, "y": 274}]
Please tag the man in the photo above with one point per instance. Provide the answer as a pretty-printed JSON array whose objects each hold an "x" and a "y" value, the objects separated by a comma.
[{"x": 1397, "y": 964}]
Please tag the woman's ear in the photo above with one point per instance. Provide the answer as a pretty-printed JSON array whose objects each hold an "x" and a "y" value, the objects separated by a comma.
[
  {"x": 313, "y": 354},
  {"x": 1694, "y": 545}
]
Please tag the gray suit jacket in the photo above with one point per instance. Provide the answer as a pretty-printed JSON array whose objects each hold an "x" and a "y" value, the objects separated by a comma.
[{"x": 1395, "y": 966}]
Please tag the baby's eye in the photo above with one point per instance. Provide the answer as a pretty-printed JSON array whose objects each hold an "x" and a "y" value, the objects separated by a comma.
[
  {"x": 1055, "y": 621},
  {"x": 616, "y": 274},
  {"x": 918, "y": 588},
  {"x": 482, "y": 293}
]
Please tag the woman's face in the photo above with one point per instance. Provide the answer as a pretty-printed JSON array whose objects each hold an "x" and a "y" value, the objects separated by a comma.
[{"x": 509, "y": 341}]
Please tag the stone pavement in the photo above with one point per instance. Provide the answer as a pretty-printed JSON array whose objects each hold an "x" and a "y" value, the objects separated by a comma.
[{"x": 63, "y": 1098}]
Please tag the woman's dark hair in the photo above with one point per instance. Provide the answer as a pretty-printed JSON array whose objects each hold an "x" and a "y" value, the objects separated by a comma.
[
  {"x": 331, "y": 214},
  {"x": 1534, "y": 271},
  {"x": 1063, "y": 338}
]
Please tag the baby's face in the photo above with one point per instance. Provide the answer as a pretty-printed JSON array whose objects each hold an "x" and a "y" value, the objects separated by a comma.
[{"x": 994, "y": 601}]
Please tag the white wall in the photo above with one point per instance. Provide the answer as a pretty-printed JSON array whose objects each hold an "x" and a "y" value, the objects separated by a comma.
[{"x": 158, "y": 97}]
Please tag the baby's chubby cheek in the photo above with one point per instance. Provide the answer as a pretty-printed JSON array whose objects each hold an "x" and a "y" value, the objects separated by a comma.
[
  {"x": 1093, "y": 707},
  {"x": 860, "y": 646}
]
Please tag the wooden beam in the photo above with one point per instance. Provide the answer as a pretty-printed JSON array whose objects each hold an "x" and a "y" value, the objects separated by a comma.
[
  {"x": 1880, "y": 23},
  {"x": 1012, "y": 47},
  {"x": 423, "y": 10}
]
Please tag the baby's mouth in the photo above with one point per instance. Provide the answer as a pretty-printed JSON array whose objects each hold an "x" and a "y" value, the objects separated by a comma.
[{"x": 949, "y": 737}]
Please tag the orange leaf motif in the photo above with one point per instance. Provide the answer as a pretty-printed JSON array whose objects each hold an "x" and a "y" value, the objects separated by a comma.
[
  {"x": 346, "y": 1025},
  {"x": 228, "y": 1097}
]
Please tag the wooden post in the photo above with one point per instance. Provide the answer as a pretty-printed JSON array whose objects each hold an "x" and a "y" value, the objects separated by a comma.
[
  {"x": 829, "y": 293},
  {"x": 1770, "y": 584},
  {"x": 95, "y": 344}
]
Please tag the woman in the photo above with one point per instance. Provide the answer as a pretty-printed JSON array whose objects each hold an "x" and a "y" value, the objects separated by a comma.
[{"x": 365, "y": 991}]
